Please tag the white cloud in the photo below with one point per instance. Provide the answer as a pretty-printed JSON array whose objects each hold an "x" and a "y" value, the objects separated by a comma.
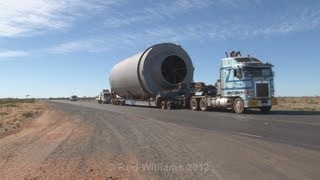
[
  {"x": 308, "y": 19},
  {"x": 93, "y": 45},
  {"x": 204, "y": 30},
  {"x": 116, "y": 22},
  {"x": 175, "y": 7},
  {"x": 78, "y": 45},
  {"x": 26, "y": 17},
  {"x": 20, "y": 17},
  {"x": 164, "y": 10},
  {"x": 11, "y": 54}
]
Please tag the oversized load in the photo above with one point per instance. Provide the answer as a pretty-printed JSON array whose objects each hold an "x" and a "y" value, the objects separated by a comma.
[
  {"x": 162, "y": 76},
  {"x": 144, "y": 75}
]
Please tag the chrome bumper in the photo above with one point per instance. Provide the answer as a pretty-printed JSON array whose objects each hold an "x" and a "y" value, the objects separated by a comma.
[{"x": 260, "y": 103}]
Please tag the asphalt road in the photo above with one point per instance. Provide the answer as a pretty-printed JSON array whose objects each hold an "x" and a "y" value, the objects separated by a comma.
[
  {"x": 279, "y": 145},
  {"x": 295, "y": 128},
  {"x": 87, "y": 140}
]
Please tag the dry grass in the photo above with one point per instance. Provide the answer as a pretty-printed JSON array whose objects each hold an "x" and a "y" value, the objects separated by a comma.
[
  {"x": 298, "y": 103},
  {"x": 28, "y": 114},
  {"x": 15, "y": 113},
  {"x": 14, "y": 102}
]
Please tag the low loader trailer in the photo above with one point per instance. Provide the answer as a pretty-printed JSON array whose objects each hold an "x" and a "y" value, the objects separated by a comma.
[{"x": 244, "y": 83}]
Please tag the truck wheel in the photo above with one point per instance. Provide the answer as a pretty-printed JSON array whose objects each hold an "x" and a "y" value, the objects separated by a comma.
[
  {"x": 169, "y": 105},
  {"x": 99, "y": 102},
  {"x": 238, "y": 106},
  {"x": 265, "y": 109},
  {"x": 163, "y": 104},
  {"x": 194, "y": 104},
  {"x": 203, "y": 104}
]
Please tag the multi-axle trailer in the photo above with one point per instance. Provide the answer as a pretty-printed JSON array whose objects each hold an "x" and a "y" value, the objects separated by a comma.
[{"x": 162, "y": 76}]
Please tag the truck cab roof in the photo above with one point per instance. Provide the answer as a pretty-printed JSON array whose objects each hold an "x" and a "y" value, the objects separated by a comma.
[{"x": 243, "y": 61}]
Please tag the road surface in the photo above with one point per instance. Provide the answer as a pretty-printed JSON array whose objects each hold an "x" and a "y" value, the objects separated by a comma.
[{"x": 87, "y": 140}]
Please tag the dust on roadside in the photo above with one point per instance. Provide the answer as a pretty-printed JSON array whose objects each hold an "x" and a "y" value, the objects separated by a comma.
[{"x": 17, "y": 114}]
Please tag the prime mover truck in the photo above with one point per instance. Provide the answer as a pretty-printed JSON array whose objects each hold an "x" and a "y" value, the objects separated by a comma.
[
  {"x": 162, "y": 76},
  {"x": 104, "y": 97}
]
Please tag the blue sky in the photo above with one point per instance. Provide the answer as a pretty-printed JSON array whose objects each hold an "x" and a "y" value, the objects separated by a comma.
[{"x": 59, "y": 48}]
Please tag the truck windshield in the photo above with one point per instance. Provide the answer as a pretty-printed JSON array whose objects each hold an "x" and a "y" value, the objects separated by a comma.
[
  {"x": 247, "y": 60},
  {"x": 257, "y": 72}
]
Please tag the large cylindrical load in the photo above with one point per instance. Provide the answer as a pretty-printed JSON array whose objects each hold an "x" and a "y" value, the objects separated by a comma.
[{"x": 160, "y": 67}]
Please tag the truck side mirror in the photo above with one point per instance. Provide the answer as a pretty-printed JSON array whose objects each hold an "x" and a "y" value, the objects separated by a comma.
[{"x": 237, "y": 73}]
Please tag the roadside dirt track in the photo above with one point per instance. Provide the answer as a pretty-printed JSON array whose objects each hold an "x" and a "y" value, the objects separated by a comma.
[
  {"x": 74, "y": 142},
  {"x": 54, "y": 146}
]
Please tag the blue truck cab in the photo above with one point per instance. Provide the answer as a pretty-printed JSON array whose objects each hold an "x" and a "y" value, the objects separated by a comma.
[{"x": 248, "y": 81}]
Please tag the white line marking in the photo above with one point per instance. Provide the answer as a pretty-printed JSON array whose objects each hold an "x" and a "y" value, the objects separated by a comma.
[{"x": 250, "y": 135}]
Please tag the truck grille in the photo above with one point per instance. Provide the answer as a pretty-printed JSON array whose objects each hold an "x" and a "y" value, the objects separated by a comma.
[{"x": 262, "y": 90}]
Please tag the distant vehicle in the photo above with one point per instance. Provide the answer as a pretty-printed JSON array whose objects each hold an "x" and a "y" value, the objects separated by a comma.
[
  {"x": 73, "y": 98},
  {"x": 50, "y": 98},
  {"x": 104, "y": 97}
]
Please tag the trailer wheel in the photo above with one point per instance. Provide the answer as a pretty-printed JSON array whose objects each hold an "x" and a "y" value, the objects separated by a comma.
[
  {"x": 163, "y": 104},
  {"x": 169, "y": 105},
  {"x": 203, "y": 104},
  {"x": 265, "y": 109},
  {"x": 238, "y": 106},
  {"x": 194, "y": 104}
]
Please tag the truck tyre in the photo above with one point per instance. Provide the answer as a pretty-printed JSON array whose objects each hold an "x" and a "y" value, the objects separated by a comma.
[
  {"x": 194, "y": 104},
  {"x": 169, "y": 105},
  {"x": 265, "y": 109},
  {"x": 203, "y": 104},
  {"x": 99, "y": 102},
  {"x": 238, "y": 106},
  {"x": 163, "y": 104}
]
